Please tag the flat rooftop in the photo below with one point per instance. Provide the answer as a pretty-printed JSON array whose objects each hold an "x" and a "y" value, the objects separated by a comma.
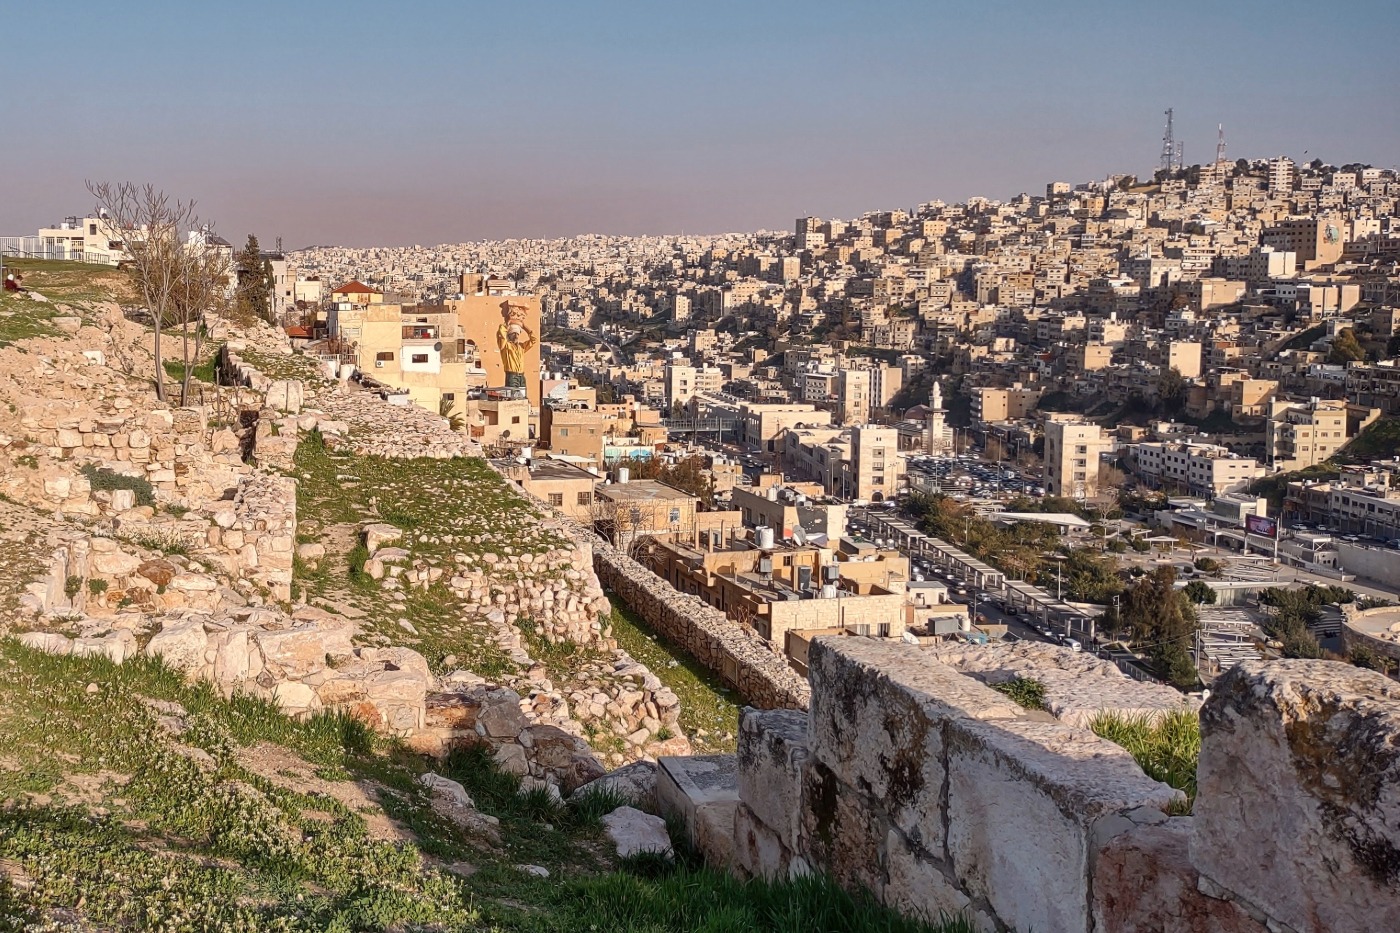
[{"x": 641, "y": 490}]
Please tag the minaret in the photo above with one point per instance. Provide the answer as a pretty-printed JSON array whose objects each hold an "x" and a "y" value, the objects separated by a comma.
[{"x": 937, "y": 441}]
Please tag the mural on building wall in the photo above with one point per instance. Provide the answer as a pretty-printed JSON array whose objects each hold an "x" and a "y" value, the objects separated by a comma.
[{"x": 514, "y": 338}]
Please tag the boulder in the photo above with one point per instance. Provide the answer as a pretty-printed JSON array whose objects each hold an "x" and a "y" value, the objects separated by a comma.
[
  {"x": 1298, "y": 813},
  {"x": 634, "y": 832},
  {"x": 634, "y": 783}
]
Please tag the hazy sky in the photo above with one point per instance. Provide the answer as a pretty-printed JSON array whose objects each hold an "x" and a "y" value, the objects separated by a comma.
[{"x": 409, "y": 121}]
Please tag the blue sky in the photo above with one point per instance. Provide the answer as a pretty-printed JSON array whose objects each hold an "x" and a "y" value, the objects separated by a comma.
[{"x": 425, "y": 122}]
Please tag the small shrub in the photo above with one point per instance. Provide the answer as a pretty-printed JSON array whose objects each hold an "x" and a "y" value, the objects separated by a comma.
[
  {"x": 97, "y": 586},
  {"x": 164, "y": 540},
  {"x": 105, "y": 480},
  {"x": 179, "y": 511},
  {"x": 1026, "y": 692},
  {"x": 664, "y": 734},
  {"x": 73, "y": 585},
  {"x": 1166, "y": 747},
  {"x": 356, "y": 558},
  {"x": 28, "y": 460}
]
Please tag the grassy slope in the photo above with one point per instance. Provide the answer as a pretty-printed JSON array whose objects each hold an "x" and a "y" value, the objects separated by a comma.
[
  {"x": 131, "y": 801},
  {"x": 72, "y": 283}
]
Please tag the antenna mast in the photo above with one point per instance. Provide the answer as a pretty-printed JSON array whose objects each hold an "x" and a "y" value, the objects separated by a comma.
[
  {"x": 1220, "y": 142},
  {"x": 1168, "y": 146}
]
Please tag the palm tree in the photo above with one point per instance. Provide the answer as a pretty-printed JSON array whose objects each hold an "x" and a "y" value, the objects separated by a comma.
[{"x": 455, "y": 420}]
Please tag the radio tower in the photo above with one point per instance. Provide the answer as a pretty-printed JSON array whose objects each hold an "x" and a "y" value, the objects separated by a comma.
[
  {"x": 1168, "y": 145},
  {"x": 1220, "y": 143}
]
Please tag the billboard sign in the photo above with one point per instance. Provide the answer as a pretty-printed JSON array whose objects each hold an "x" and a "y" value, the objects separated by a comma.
[{"x": 1259, "y": 525}]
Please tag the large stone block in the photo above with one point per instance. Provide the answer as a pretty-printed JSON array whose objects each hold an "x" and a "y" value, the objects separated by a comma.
[
  {"x": 1144, "y": 883},
  {"x": 703, "y": 791},
  {"x": 1298, "y": 812},
  {"x": 758, "y": 852},
  {"x": 877, "y": 718},
  {"x": 842, "y": 833},
  {"x": 920, "y": 884},
  {"x": 772, "y": 753},
  {"x": 1029, "y": 805}
]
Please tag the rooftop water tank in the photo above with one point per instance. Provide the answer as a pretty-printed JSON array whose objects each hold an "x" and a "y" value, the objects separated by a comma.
[{"x": 764, "y": 536}]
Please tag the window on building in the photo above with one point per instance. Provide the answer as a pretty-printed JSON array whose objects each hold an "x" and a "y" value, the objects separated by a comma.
[
  {"x": 449, "y": 396},
  {"x": 585, "y": 498},
  {"x": 420, "y": 357},
  {"x": 386, "y": 356},
  {"x": 675, "y": 515},
  {"x": 556, "y": 498},
  {"x": 563, "y": 432}
]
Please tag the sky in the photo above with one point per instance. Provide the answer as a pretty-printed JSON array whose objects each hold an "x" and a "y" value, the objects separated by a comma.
[{"x": 407, "y": 122}]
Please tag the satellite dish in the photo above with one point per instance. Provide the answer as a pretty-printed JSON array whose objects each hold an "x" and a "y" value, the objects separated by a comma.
[
  {"x": 437, "y": 347},
  {"x": 799, "y": 535}
]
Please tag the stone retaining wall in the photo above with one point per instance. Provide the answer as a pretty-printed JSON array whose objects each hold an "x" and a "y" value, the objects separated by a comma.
[
  {"x": 738, "y": 656},
  {"x": 937, "y": 794}
]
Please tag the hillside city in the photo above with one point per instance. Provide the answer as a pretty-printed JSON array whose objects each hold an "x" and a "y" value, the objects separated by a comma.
[{"x": 1000, "y": 565}]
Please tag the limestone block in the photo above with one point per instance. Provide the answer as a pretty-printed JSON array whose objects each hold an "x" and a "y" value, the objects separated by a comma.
[
  {"x": 138, "y": 440},
  {"x": 500, "y": 716},
  {"x": 115, "y": 646},
  {"x": 47, "y": 642},
  {"x": 1298, "y": 812},
  {"x": 633, "y": 832},
  {"x": 1144, "y": 883},
  {"x": 123, "y": 499},
  {"x": 296, "y": 699},
  {"x": 181, "y": 644},
  {"x": 398, "y": 695},
  {"x": 67, "y": 437},
  {"x": 236, "y": 658},
  {"x": 380, "y": 534},
  {"x": 511, "y": 759},
  {"x": 841, "y": 832},
  {"x": 758, "y": 851},
  {"x": 303, "y": 649},
  {"x": 772, "y": 753},
  {"x": 877, "y": 721},
  {"x": 920, "y": 885},
  {"x": 1029, "y": 805},
  {"x": 115, "y": 564}
]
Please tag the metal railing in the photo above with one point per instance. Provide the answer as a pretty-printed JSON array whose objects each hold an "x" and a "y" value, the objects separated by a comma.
[{"x": 25, "y": 247}]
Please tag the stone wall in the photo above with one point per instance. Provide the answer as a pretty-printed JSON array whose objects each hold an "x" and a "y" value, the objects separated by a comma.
[
  {"x": 937, "y": 794},
  {"x": 740, "y": 658}
]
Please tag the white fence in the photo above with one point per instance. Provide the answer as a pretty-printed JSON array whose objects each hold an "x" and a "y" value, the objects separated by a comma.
[{"x": 33, "y": 247}]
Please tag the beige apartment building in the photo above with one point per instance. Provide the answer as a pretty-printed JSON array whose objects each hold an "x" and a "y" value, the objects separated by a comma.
[
  {"x": 853, "y": 396},
  {"x": 1304, "y": 434},
  {"x": 1194, "y": 468},
  {"x": 784, "y": 508},
  {"x": 684, "y": 382},
  {"x": 89, "y": 239},
  {"x": 1072, "y": 451},
  {"x": 1185, "y": 357},
  {"x": 1010, "y": 404},
  {"x": 763, "y": 425},
  {"x": 1316, "y": 241},
  {"x": 876, "y": 467}
]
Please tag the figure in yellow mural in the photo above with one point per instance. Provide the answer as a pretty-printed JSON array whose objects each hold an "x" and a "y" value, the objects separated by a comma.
[{"x": 514, "y": 338}]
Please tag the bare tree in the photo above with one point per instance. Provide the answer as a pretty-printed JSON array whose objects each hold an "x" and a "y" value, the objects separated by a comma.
[
  {"x": 152, "y": 227},
  {"x": 203, "y": 289}
]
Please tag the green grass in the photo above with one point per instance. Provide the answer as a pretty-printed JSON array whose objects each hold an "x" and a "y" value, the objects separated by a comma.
[
  {"x": 1167, "y": 747},
  {"x": 116, "y": 820},
  {"x": 709, "y": 709},
  {"x": 1379, "y": 441},
  {"x": 200, "y": 370},
  {"x": 104, "y": 480},
  {"x": 76, "y": 284},
  {"x": 1027, "y": 692}
]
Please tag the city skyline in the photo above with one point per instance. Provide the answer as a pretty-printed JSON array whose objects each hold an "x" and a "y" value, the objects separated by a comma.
[{"x": 362, "y": 127}]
